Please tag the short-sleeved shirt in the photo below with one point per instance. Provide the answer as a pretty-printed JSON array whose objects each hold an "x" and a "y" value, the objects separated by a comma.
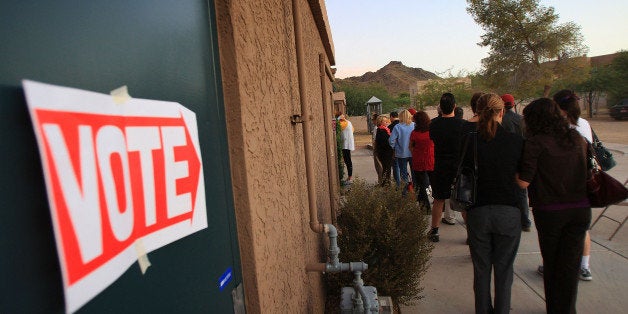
[
  {"x": 584, "y": 128},
  {"x": 445, "y": 133}
]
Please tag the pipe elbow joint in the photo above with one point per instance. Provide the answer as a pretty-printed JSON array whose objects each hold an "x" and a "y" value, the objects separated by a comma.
[{"x": 331, "y": 230}]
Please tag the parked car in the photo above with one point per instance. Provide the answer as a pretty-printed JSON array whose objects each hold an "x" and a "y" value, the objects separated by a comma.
[{"x": 620, "y": 110}]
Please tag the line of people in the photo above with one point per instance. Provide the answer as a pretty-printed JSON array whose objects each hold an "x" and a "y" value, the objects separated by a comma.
[{"x": 538, "y": 160}]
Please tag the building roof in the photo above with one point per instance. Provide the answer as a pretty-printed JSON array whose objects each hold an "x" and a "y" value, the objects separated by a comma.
[{"x": 373, "y": 100}]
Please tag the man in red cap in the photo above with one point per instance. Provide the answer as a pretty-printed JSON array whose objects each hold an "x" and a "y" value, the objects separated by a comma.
[{"x": 512, "y": 122}]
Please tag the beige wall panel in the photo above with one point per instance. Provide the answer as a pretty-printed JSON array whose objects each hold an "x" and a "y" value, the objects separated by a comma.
[{"x": 260, "y": 84}]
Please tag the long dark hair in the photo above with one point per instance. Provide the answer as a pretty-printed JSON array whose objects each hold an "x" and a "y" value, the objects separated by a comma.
[
  {"x": 567, "y": 100},
  {"x": 543, "y": 116},
  {"x": 474, "y": 101},
  {"x": 421, "y": 121},
  {"x": 489, "y": 105}
]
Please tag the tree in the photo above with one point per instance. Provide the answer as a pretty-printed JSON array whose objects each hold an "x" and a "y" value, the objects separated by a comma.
[
  {"x": 403, "y": 100},
  {"x": 529, "y": 50},
  {"x": 357, "y": 94},
  {"x": 432, "y": 91},
  {"x": 617, "y": 84},
  {"x": 595, "y": 85},
  {"x": 611, "y": 80}
]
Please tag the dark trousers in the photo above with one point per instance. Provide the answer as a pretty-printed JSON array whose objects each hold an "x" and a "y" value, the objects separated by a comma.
[
  {"x": 387, "y": 161},
  {"x": 346, "y": 156},
  {"x": 561, "y": 238},
  {"x": 522, "y": 203},
  {"x": 494, "y": 234},
  {"x": 421, "y": 181}
]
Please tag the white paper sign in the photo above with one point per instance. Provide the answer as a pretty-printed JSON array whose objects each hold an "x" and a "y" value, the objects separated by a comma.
[{"x": 115, "y": 174}]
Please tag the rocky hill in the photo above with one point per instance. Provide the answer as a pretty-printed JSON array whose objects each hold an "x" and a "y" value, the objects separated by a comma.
[{"x": 395, "y": 77}]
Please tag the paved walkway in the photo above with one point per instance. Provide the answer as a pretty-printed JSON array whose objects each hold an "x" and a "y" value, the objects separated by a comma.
[{"x": 448, "y": 284}]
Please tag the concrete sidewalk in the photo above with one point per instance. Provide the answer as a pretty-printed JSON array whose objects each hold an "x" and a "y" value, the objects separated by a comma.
[{"x": 448, "y": 284}]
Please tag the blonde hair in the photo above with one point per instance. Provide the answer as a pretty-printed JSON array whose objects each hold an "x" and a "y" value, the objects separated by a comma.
[
  {"x": 489, "y": 106},
  {"x": 381, "y": 120},
  {"x": 405, "y": 117}
]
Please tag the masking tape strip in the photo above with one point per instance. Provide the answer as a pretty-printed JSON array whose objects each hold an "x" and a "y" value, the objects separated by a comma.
[
  {"x": 142, "y": 258},
  {"x": 120, "y": 95}
]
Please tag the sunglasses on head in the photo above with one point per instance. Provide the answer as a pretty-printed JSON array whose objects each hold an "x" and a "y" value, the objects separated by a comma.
[{"x": 570, "y": 97}]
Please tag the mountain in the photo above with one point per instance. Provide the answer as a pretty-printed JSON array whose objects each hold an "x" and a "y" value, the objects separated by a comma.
[{"x": 394, "y": 76}]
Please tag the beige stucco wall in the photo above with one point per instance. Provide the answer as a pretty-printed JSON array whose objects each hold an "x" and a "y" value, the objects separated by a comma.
[{"x": 261, "y": 91}]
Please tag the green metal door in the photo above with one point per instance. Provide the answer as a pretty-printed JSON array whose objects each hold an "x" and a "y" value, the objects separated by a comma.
[{"x": 163, "y": 50}]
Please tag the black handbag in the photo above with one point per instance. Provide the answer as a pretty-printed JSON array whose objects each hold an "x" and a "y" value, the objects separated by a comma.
[
  {"x": 604, "y": 157},
  {"x": 464, "y": 187}
]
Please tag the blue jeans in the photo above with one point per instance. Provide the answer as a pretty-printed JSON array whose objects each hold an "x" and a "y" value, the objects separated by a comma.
[
  {"x": 395, "y": 171},
  {"x": 403, "y": 163},
  {"x": 522, "y": 204}
]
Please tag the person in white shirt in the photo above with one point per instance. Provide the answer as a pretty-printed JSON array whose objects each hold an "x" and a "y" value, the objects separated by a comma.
[
  {"x": 567, "y": 100},
  {"x": 348, "y": 145}
]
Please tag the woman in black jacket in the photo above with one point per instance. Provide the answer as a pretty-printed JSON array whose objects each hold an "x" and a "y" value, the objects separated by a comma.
[
  {"x": 494, "y": 222},
  {"x": 384, "y": 150}
]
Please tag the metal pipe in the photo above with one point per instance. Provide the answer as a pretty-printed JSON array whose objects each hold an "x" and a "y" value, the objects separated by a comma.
[
  {"x": 334, "y": 250},
  {"x": 337, "y": 268},
  {"x": 315, "y": 225},
  {"x": 361, "y": 300},
  {"x": 334, "y": 265},
  {"x": 330, "y": 144}
]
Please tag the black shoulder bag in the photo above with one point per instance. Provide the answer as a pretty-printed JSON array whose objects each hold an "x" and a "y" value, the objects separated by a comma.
[
  {"x": 463, "y": 189},
  {"x": 604, "y": 157}
]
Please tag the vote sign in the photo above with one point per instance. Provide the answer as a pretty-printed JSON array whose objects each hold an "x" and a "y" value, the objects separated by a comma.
[{"x": 117, "y": 175}]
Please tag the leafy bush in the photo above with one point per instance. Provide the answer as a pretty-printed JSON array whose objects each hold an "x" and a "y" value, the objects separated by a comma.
[{"x": 387, "y": 231}]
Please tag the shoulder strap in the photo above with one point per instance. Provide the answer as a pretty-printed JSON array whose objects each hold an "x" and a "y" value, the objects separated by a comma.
[
  {"x": 475, "y": 153},
  {"x": 596, "y": 140},
  {"x": 464, "y": 152}
]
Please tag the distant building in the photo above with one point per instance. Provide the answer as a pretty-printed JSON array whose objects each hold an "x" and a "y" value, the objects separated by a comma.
[{"x": 340, "y": 102}]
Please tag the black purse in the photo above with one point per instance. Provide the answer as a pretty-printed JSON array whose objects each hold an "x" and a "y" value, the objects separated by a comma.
[
  {"x": 604, "y": 157},
  {"x": 464, "y": 187}
]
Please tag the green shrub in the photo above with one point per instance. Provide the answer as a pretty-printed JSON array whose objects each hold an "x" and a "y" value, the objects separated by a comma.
[{"x": 387, "y": 231}]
